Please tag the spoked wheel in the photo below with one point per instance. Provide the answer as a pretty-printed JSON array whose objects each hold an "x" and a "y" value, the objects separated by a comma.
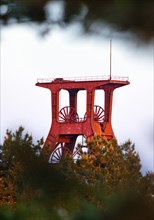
[
  {"x": 68, "y": 114},
  {"x": 61, "y": 153},
  {"x": 99, "y": 113}
]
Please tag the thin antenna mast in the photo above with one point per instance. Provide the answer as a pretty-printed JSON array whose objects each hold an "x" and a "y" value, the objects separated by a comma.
[{"x": 110, "y": 58}]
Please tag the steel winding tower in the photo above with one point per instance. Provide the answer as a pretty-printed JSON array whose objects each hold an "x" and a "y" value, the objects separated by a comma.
[{"x": 66, "y": 125}]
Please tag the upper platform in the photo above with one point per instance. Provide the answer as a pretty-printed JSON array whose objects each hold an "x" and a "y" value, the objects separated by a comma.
[
  {"x": 97, "y": 82},
  {"x": 82, "y": 79}
]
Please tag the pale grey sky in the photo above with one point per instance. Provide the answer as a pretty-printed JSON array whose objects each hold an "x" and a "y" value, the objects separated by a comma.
[{"x": 25, "y": 57}]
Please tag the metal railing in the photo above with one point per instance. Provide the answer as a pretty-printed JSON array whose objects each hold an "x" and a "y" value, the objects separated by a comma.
[{"x": 81, "y": 78}]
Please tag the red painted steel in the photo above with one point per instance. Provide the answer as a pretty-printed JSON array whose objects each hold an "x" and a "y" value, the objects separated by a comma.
[{"x": 66, "y": 125}]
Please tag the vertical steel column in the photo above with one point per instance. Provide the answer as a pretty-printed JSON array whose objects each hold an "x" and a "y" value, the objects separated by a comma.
[
  {"x": 55, "y": 104},
  {"x": 73, "y": 98},
  {"x": 108, "y": 103},
  {"x": 90, "y": 102}
]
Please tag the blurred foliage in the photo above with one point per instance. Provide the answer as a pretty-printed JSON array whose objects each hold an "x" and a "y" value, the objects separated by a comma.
[
  {"x": 105, "y": 183},
  {"x": 17, "y": 156},
  {"x": 134, "y": 16},
  {"x": 117, "y": 165}
]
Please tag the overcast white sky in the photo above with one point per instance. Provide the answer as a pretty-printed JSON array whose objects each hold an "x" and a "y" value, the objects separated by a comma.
[{"x": 25, "y": 57}]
